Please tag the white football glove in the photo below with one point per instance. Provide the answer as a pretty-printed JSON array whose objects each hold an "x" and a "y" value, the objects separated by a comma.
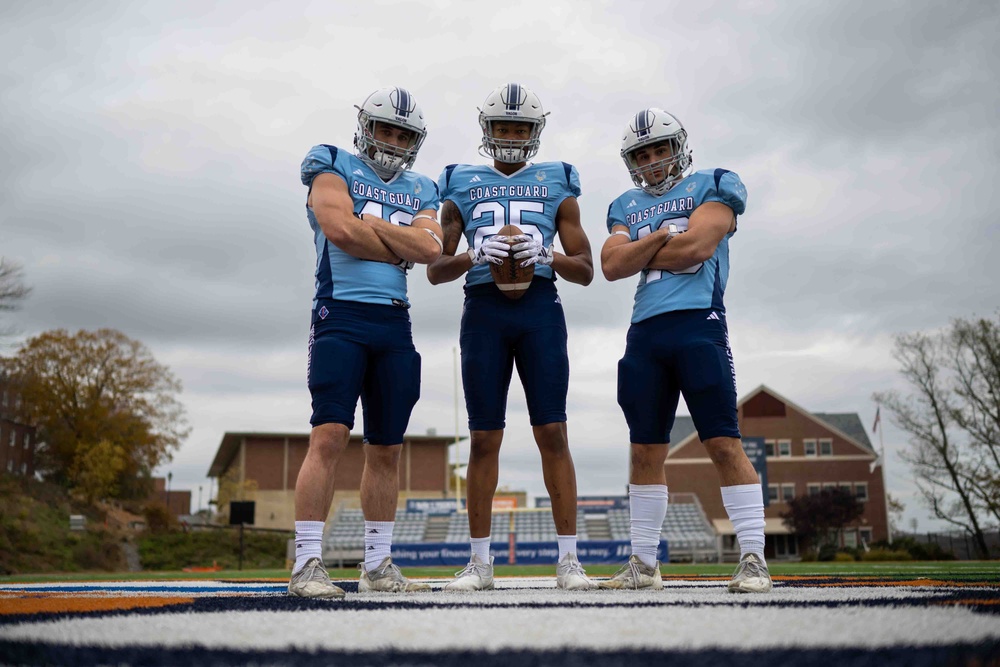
[
  {"x": 530, "y": 250},
  {"x": 492, "y": 250}
]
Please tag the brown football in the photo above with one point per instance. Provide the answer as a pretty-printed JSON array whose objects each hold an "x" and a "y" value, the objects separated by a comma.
[{"x": 512, "y": 280}]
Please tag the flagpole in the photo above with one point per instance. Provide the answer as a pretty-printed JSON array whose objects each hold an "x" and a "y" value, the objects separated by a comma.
[{"x": 885, "y": 488}]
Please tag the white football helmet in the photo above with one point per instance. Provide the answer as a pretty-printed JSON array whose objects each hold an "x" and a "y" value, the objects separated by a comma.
[
  {"x": 394, "y": 106},
  {"x": 511, "y": 102},
  {"x": 652, "y": 126}
]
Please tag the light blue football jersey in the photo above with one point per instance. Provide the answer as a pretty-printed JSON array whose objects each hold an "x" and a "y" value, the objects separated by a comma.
[
  {"x": 345, "y": 277},
  {"x": 528, "y": 199},
  {"x": 700, "y": 286}
]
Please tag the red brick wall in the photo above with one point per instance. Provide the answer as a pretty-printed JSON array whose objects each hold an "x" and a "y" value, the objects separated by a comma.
[
  {"x": 700, "y": 478},
  {"x": 265, "y": 463}
]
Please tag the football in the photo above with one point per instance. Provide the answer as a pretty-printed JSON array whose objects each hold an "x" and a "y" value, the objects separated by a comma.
[{"x": 512, "y": 280}]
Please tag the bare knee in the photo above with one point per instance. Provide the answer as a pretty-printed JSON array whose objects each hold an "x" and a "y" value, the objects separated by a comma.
[
  {"x": 485, "y": 446},
  {"x": 648, "y": 460},
  {"x": 551, "y": 439},
  {"x": 382, "y": 457},
  {"x": 725, "y": 452},
  {"x": 328, "y": 441}
]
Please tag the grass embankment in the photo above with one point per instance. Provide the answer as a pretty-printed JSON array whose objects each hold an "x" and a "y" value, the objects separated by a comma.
[
  {"x": 35, "y": 534},
  {"x": 35, "y": 538},
  {"x": 176, "y": 550}
]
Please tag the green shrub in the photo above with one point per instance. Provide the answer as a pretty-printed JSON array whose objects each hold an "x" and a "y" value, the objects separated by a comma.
[
  {"x": 844, "y": 557},
  {"x": 879, "y": 554},
  {"x": 176, "y": 550},
  {"x": 827, "y": 553},
  {"x": 917, "y": 550}
]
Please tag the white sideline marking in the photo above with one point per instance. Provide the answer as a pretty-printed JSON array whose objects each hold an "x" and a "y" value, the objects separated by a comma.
[
  {"x": 682, "y": 616},
  {"x": 492, "y": 629}
]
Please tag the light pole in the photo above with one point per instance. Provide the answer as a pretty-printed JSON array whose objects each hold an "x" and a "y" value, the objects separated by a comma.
[{"x": 170, "y": 476}]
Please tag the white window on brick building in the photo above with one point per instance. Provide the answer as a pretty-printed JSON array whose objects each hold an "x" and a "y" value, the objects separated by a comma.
[
  {"x": 810, "y": 447},
  {"x": 861, "y": 491},
  {"x": 826, "y": 447}
]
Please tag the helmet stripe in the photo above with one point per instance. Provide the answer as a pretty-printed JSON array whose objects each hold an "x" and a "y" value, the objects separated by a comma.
[
  {"x": 513, "y": 97},
  {"x": 642, "y": 123},
  {"x": 402, "y": 102}
]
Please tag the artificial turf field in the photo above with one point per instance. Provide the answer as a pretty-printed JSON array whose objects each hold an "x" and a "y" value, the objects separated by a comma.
[{"x": 909, "y": 614}]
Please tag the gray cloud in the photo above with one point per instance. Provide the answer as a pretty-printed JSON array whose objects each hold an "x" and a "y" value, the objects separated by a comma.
[{"x": 152, "y": 182}]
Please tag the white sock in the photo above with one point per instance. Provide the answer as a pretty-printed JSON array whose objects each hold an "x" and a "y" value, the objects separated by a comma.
[
  {"x": 481, "y": 547},
  {"x": 378, "y": 542},
  {"x": 308, "y": 542},
  {"x": 647, "y": 508},
  {"x": 744, "y": 504},
  {"x": 567, "y": 545}
]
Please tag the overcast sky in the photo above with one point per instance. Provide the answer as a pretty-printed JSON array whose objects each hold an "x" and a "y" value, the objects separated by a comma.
[{"x": 150, "y": 183}]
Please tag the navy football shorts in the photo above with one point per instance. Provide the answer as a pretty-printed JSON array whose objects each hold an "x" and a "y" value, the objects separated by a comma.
[
  {"x": 363, "y": 349},
  {"x": 683, "y": 352},
  {"x": 499, "y": 333}
]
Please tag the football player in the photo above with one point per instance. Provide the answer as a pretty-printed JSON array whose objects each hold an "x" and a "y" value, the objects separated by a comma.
[
  {"x": 498, "y": 333},
  {"x": 673, "y": 230},
  {"x": 371, "y": 218}
]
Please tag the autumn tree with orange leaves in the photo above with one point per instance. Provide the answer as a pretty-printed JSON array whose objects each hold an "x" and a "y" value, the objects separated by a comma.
[{"x": 107, "y": 411}]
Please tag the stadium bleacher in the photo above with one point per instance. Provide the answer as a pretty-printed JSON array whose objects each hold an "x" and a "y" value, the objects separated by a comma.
[{"x": 686, "y": 529}]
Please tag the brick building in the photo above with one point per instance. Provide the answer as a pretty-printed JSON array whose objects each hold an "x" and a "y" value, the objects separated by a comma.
[
  {"x": 17, "y": 440},
  {"x": 806, "y": 453},
  {"x": 270, "y": 462},
  {"x": 178, "y": 502}
]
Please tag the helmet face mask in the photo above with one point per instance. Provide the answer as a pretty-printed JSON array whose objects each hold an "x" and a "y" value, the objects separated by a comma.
[
  {"x": 647, "y": 129},
  {"x": 395, "y": 107},
  {"x": 512, "y": 103}
]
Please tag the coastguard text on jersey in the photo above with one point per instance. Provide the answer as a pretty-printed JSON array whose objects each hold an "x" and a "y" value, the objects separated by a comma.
[
  {"x": 492, "y": 191},
  {"x": 404, "y": 199},
  {"x": 682, "y": 205}
]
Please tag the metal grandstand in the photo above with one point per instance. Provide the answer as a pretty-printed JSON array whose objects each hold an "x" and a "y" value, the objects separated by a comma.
[{"x": 686, "y": 529}]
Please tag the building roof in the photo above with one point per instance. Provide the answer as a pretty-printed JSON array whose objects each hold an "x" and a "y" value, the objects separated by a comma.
[
  {"x": 847, "y": 423},
  {"x": 230, "y": 444}
]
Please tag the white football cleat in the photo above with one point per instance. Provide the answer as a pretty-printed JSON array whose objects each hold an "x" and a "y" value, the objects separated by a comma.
[
  {"x": 386, "y": 578},
  {"x": 635, "y": 575},
  {"x": 312, "y": 581},
  {"x": 751, "y": 576},
  {"x": 570, "y": 575},
  {"x": 477, "y": 576}
]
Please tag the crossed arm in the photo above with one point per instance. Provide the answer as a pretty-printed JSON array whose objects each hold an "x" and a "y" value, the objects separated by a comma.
[
  {"x": 709, "y": 223},
  {"x": 377, "y": 239}
]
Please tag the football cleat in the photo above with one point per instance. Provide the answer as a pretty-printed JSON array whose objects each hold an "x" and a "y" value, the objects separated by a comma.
[
  {"x": 312, "y": 581},
  {"x": 570, "y": 575},
  {"x": 635, "y": 575},
  {"x": 477, "y": 576},
  {"x": 751, "y": 576},
  {"x": 386, "y": 578}
]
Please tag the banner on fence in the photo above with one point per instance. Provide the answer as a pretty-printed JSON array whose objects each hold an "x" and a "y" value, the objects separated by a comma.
[
  {"x": 432, "y": 505},
  {"x": 525, "y": 553}
]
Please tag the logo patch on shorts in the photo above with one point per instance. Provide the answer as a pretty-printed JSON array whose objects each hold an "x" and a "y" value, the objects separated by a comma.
[{"x": 323, "y": 312}]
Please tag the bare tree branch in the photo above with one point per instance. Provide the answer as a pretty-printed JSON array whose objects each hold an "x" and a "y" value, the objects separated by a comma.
[{"x": 953, "y": 419}]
